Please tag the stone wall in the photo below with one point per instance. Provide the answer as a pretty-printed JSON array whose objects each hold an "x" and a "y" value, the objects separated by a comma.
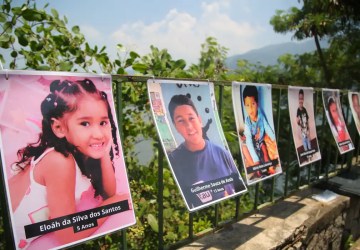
[
  {"x": 298, "y": 222},
  {"x": 331, "y": 233},
  {"x": 352, "y": 224},
  {"x": 329, "y": 236},
  {"x": 322, "y": 230}
]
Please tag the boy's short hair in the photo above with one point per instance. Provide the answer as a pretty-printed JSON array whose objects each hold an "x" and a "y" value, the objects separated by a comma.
[
  {"x": 178, "y": 100},
  {"x": 301, "y": 92},
  {"x": 250, "y": 91}
]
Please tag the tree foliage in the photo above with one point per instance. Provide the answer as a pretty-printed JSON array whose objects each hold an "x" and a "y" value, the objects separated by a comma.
[
  {"x": 212, "y": 61},
  {"x": 334, "y": 20},
  {"x": 160, "y": 63},
  {"x": 38, "y": 39}
]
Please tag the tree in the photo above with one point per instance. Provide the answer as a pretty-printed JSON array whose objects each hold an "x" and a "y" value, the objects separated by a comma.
[
  {"x": 337, "y": 21},
  {"x": 212, "y": 61},
  {"x": 36, "y": 39},
  {"x": 39, "y": 39},
  {"x": 305, "y": 23},
  {"x": 160, "y": 63}
]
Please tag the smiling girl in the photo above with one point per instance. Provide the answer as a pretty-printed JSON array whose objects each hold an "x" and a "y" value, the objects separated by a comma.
[
  {"x": 337, "y": 123},
  {"x": 70, "y": 168}
]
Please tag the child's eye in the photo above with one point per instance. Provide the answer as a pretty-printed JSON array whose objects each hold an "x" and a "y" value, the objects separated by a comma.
[
  {"x": 104, "y": 123},
  {"x": 85, "y": 124}
]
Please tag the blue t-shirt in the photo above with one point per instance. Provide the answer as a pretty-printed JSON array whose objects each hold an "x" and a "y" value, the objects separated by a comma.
[
  {"x": 261, "y": 126},
  {"x": 201, "y": 168}
]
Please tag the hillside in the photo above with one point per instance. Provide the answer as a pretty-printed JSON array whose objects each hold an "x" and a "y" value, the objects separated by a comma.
[{"x": 268, "y": 55}]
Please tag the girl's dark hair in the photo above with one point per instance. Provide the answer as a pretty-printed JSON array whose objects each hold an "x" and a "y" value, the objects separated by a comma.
[
  {"x": 63, "y": 99},
  {"x": 331, "y": 101}
]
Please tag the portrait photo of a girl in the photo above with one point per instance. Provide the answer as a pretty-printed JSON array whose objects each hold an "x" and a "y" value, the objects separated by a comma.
[
  {"x": 62, "y": 154},
  {"x": 335, "y": 118}
]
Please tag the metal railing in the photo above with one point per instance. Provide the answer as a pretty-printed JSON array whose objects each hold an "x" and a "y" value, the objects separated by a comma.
[{"x": 293, "y": 177}]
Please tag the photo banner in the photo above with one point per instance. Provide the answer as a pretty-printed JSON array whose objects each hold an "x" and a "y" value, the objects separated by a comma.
[
  {"x": 354, "y": 101},
  {"x": 62, "y": 159},
  {"x": 302, "y": 118},
  {"x": 188, "y": 125},
  {"x": 255, "y": 128},
  {"x": 335, "y": 118}
]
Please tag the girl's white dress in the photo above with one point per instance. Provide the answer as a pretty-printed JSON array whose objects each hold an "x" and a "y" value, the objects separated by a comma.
[{"x": 33, "y": 207}]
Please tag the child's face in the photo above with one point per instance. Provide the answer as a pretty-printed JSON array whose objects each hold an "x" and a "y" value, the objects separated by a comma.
[
  {"x": 189, "y": 125},
  {"x": 356, "y": 105},
  {"x": 251, "y": 107},
  {"x": 301, "y": 100},
  {"x": 88, "y": 128},
  {"x": 333, "y": 111}
]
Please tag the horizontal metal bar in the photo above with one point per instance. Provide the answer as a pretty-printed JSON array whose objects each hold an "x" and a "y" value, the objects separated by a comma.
[{"x": 135, "y": 78}]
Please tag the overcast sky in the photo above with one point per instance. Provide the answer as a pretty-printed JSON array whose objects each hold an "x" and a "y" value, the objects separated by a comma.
[{"x": 180, "y": 26}]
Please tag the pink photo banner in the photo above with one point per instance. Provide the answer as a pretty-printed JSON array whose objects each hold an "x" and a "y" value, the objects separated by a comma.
[
  {"x": 335, "y": 118},
  {"x": 354, "y": 101},
  {"x": 62, "y": 158}
]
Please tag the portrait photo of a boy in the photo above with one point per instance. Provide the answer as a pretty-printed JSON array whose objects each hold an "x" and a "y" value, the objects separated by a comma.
[
  {"x": 195, "y": 147},
  {"x": 255, "y": 128},
  {"x": 302, "y": 121}
]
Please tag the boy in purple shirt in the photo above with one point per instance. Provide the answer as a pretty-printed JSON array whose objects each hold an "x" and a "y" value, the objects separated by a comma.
[{"x": 199, "y": 165}]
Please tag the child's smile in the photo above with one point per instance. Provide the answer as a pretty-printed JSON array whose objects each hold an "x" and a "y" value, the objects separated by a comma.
[
  {"x": 88, "y": 128},
  {"x": 97, "y": 146},
  {"x": 189, "y": 125}
]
